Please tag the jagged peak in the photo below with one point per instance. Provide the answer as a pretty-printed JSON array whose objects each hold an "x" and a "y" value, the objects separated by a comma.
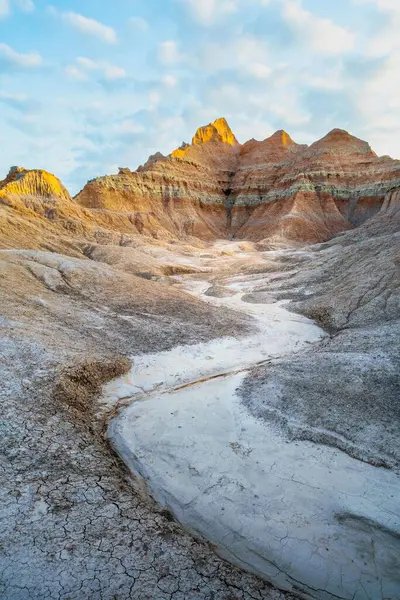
[
  {"x": 340, "y": 138},
  {"x": 219, "y": 131},
  {"x": 158, "y": 156},
  {"x": 33, "y": 182},
  {"x": 14, "y": 174},
  {"x": 281, "y": 137},
  {"x": 181, "y": 151}
]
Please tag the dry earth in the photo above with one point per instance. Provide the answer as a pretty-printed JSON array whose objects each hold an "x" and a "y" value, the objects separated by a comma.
[
  {"x": 82, "y": 293},
  {"x": 72, "y": 526}
]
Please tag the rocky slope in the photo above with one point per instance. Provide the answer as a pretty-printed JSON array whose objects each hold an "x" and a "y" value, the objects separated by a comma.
[
  {"x": 71, "y": 525},
  {"x": 98, "y": 284},
  {"x": 274, "y": 189}
]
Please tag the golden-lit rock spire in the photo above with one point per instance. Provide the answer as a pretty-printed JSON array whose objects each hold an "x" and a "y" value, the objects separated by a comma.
[
  {"x": 39, "y": 183},
  {"x": 219, "y": 131}
]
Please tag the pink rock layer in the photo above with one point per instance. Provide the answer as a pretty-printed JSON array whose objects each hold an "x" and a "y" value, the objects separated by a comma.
[{"x": 274, "y": 190}]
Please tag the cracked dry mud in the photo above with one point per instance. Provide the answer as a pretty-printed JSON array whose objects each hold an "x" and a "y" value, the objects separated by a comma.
[
  {"x": 278, "y": 463},
  {"x": 74, "y": 523}
]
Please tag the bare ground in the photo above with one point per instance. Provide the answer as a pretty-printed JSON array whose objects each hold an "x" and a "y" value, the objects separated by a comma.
[{"x": 72, "y": 525}]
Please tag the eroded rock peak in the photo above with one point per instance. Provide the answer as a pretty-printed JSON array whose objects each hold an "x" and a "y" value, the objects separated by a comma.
[
  {"x": 340, "y": 139},
  {"x": 281, "y": 138},
  {"x": 218, "y": 131},
  {"x": 36, "y": 182}
]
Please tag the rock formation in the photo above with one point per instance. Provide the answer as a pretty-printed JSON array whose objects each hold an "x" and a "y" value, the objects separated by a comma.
[
  {"x": 274, "y": 189},
  {"x": 269, "y": 427},
  {"x": 23, "y": 183}
]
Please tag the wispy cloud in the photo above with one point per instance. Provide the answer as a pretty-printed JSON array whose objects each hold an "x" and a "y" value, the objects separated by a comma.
[
  {"x": 88, "y": 26},
  {"x": 84, "y": 65},
  {"x": 4, "y": 8},
  {"x": 139, "y": 23},
  {"x": 376, "y": 97},
  {"x": 321, "y": 34},
  {"x": 207, "y": 12},
  {"x": 74, "y": 73},
  {"x": 26, "y": 5},
  {"x": 169, "y": 80},
  {"x": 248, "y": 55},
  {"x": 17, "y": 101},
  {"x": 385, "y": 40},
  {"x": 12, "y": 58},
  {"x": 169, "y": 53}
]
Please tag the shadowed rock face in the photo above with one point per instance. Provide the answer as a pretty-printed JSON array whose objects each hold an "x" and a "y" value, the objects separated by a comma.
[{"x": 275, "y": 189}]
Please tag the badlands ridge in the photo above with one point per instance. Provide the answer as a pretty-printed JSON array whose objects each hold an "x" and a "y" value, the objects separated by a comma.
[
  {"x": 215, "y": 188},
  {"x": 200, "y": 376}
]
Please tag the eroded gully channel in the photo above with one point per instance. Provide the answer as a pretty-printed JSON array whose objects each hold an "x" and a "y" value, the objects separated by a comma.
[{"x": 297, "y": 514}]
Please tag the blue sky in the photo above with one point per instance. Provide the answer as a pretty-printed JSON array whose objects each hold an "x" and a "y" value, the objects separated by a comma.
[{"x": 90, "y": 85}]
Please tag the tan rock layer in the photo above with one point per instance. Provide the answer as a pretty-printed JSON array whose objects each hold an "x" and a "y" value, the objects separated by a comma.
[{"x": 273, "y": 190}]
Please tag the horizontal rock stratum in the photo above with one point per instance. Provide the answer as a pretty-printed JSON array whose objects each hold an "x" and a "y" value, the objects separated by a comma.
[
  {"x": 258, "y": 390},
  {"x": 274, "y": 190}
]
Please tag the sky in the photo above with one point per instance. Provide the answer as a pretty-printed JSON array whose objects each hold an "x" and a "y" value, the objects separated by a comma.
[{"x": 87, "y": 86}]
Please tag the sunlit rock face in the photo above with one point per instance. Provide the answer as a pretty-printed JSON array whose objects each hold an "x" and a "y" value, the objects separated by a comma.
[
  {"x": 219, "y": 131},
  {"x": 36, "y": 183},
  {"x": 275, "y": 189}
]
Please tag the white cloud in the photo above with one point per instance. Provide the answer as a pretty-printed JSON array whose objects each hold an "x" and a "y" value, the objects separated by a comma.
[
  {"x": 15, "y": 99},
  {"x": 87, "y": 63},
  {"x": 378, "y": 100},
  {"x": 171, "y": 124},
  {"x": 207, "y": 12},
  {"x": 26, "y": 5},
  {"x": 128, "y": 127},
  {"x": 112, "y": 72},
  {"x": 76, "y": 73},
  {"x": 320, "y": 34},
  {"x": 16, "y": 59},
  {"x": 386, "y": 40},
  {"x": 4, "y": 8},
  {"x": 377, "y": 97},
  {"x": 259, "y": 70},
  {"x": 288, "y": 111},
  {"x": 169, "y": 80},
  {"x": 332, "y": 79},
  {"x": 88, "y": 26},
  {"x": 168, "y": 52},
  {"x": 154, "y": 100},
  {"x": 139, "y": 23},
  {"x": 107, "y": 71},
  {"x": 384, "y": 5},
  {"x": 248, "y": 55}
]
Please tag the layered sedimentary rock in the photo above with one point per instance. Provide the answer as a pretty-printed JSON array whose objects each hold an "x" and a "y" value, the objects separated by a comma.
[
  {"x": 273, "y": 189},
  {"x": 22, "y": 182},
  {"x": 325, "y": 416},
  {"x": 181, "y": 194}
]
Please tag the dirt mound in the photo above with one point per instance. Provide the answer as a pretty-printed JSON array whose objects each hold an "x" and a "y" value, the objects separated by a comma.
[{"x": 79, "y": 385}]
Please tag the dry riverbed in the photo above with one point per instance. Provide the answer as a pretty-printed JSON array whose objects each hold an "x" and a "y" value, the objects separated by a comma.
[{"x": 307, "y": 517}]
